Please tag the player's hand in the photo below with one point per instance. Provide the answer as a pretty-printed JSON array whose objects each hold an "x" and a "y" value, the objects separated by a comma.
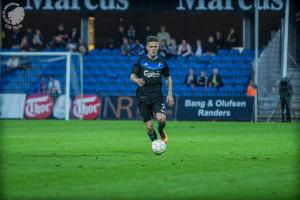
[
  {"x": 140, "y": 82},
  {"x": 170, "y": 100}
]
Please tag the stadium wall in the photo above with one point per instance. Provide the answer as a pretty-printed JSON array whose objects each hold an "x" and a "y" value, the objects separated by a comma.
[
  {"x": 91, "y": 107},
  {"x": 181, "y": 20}
]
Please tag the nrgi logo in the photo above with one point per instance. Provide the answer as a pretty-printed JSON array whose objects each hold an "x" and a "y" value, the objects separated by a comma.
[{"x": 13, "y": 14}]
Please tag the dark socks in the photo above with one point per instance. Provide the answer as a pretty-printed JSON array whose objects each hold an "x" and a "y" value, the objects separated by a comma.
[
  {"x": 152, "y": 135},
  {"x": 161, "y": 126}
]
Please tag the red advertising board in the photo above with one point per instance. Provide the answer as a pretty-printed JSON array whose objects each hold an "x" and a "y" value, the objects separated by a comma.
[
  {"x": 86, "y": 108},
  {"x": 38, "y": 106}
]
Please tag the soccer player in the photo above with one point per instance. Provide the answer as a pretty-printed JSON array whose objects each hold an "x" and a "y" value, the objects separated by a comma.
[{"x": 147, "y": 73}]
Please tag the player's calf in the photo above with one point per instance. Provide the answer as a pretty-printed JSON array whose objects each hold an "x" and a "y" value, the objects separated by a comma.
[
  {"x": 161, "y": 118},
  {"x": 150, "y": 131},
  {"x": 161, "y": 126}
]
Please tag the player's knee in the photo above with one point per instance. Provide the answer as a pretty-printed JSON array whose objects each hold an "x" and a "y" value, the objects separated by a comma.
[
  {"x": 149, "y": 126},
  {"x": 161, "y": 119}
]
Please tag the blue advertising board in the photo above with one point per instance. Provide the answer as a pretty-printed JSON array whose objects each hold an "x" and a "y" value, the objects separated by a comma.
[
  {"x": 215, "y": 108},
  {"x": 185, "y": 108}
]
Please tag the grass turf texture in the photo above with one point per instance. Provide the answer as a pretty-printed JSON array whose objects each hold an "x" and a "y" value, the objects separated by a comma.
[{"x": 112, "y": 160}]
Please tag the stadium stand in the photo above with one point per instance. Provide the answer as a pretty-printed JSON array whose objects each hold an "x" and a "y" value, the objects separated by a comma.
[{"x": 107, "y": 72}]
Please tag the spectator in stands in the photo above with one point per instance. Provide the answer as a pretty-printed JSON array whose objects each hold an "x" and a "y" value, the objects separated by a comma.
[
  {"x": 16, "y": 39},
  {"x": 73, "y": 39},
  {"x": 119, "y": 36},
  {"x": 42, "y": 85},
  {"x": 137, "y": 48},
  {"x": 36, "y": 45},
  {"x": 184, "y": 49},
  {"x": 60, "y": 38},
  {"x": 219, "y": 40},
  {"x": 57, "y": 42},
  {"x": 190, "y": 80},
  {"x": 164, "y": 35},
  {"x": 148, "y": 32},
  {"x": 215, "y": 79},
  {"x": 39, "y": 39},
  {"x": 54, "y": 89},
  {"x": 74, "y": 36},
  {"x": 172, "y": 48},
  {"x": 71, "y": 46},
  {"x": 61, "y": 31},
  {"x": 82, "y": 48},
  {"x": 211, "y": 47},
  {"x": 232, "y": 39},
  {"x": 29, "y": 35},
  {"x": 12, "y": 64},
  {"x": 251, "y": 91},
  {"x": 125, "y": 48},
  {"x": 202, "y": 79},
  {"x": 24, "y": 46},
  {"x": 131, "y": 34},
  {"x": 163, "y": 49},
  {"x": 199, "y": 50}
]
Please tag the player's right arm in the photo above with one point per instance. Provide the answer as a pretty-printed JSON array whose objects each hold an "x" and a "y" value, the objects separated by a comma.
[
  {"x": 139, "y": 81},
  {"x": 134, "y": 75}
]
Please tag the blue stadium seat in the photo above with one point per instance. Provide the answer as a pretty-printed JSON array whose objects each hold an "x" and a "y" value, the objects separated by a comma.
[
  {"x": 116, "y": 51},
  {"x": 234, "y": 52},
  {"x": 223, "y": 94},
  {"x": 95, "y": 52},
  {"x": 105, "y": 51},
  {"x": 121, "y": 58},
  {"x": 248, "y": 58},
  {"x": 239, "y": 88},
  {"x": 14, "y": 49},
  {"x": 222, "y": 52},
  {"x": 247, "y": 52},
  {"x": 206, "y": 58},
  {"x": 235, "y": 58},
  {"x": 194, "y": 59},
  {"x": 227, "y": 88}
]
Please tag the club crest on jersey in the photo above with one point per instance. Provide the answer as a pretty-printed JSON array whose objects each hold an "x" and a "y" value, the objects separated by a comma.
[
  {"x": 160, "y": 65},
  {"x": 151, "y": 74}
]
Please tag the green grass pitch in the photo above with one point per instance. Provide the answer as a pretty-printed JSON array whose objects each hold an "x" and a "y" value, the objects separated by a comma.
[{"x": 112, "y": 160}]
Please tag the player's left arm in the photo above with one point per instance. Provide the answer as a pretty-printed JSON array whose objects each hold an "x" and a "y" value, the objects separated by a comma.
[{"x": 170, "y": 99}]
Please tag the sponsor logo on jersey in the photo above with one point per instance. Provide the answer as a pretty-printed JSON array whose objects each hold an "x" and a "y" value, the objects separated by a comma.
[
  {"x": 151, "y": 74},
  {"x": 38, "y": 106},
  {"x": 86, "y": 108}
]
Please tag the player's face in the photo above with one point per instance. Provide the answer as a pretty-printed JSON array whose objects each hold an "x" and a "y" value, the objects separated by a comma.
[{"x": 152, "y": 48}]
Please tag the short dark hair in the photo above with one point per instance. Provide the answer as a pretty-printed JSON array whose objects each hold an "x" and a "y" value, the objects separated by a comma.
[{"x": 152, "y": 39}]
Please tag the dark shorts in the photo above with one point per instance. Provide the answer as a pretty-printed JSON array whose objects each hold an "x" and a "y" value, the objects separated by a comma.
[{"x": 148, "y": 107}]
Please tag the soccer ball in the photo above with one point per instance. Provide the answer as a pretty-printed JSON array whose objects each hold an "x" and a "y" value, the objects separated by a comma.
[{"x": 158, "y": 147}]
